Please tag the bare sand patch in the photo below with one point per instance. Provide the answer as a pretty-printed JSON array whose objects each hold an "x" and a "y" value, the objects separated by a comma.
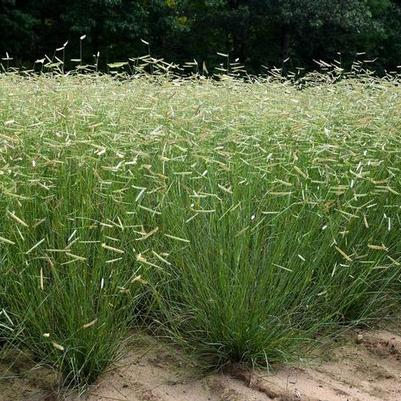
[{"x": 365, "y": 367}]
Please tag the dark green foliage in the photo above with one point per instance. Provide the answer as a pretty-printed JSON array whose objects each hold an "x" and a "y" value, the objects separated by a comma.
[{"x": 258, "y": 32}]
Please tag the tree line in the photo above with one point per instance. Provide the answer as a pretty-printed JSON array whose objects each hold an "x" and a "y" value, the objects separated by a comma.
[{"x": 257, "y": 32}]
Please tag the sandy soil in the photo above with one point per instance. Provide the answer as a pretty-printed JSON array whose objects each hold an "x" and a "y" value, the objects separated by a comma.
[
  {"x": 23, "y": 380},
  {"x": 366, "y": 367}
]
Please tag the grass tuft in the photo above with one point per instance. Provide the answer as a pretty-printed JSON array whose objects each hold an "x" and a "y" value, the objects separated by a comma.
[{"x": 240, "y": 219}]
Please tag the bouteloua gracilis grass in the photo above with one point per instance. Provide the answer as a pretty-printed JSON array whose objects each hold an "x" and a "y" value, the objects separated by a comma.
[{"x": 242, "y": 220}]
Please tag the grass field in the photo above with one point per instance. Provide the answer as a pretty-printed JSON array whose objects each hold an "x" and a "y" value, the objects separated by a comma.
[{"x": 242, "y": 220}]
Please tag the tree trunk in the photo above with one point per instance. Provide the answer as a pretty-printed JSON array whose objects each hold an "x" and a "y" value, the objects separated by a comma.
[{"x": 285, "y": 42}]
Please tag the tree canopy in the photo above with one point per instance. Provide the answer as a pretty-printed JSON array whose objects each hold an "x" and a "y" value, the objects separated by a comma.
[{"x": 258, "y": 32}]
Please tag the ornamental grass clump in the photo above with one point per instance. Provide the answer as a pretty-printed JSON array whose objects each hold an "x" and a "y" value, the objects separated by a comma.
[{"x": 241, "y": 219}]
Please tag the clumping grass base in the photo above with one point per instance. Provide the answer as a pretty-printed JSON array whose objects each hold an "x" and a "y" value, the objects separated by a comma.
[{"x": 241, "y": 219}]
